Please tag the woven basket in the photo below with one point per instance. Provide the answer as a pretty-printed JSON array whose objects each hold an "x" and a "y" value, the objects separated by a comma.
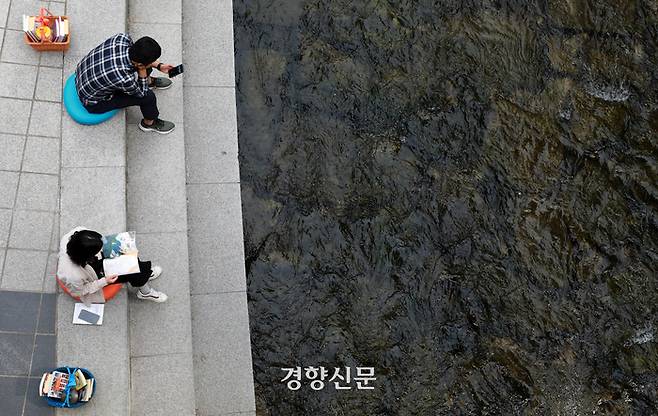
[{"x": 51, "y": 46}]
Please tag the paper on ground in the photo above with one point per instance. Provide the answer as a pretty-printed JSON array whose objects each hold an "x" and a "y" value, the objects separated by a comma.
[{"x": 95, "y": 308}]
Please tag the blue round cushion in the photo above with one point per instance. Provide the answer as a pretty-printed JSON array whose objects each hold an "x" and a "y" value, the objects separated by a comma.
[{"x": 75, "y": 108}]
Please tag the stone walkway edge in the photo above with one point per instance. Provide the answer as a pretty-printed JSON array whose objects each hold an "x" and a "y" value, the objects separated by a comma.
[{"x": 220, "y": 317}]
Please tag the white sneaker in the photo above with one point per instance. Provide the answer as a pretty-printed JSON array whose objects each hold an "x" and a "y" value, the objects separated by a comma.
[
  {"x": 153, "y": 295},
  {"x": 156, "y": 271}
]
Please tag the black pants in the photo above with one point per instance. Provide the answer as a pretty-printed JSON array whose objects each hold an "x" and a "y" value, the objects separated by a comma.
[
  {"x": 135, "y": 279},
  {"x": 148, "y": 104}
]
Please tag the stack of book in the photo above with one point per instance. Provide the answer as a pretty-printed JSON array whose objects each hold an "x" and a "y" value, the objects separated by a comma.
[
  {"x": 30, "y": 27},
  {"x": 58, "y": 29},
  {"x": 84, "y": 386},
  {"x": 54, "y": 385}
]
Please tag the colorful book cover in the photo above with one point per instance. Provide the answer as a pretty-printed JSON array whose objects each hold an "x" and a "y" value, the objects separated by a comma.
[{"x": 115, "y": 245}]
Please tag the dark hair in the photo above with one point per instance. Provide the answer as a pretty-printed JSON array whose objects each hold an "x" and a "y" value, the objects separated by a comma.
[
  {"x": 145, "y": 51},
  {"x": 83, "y": 246}
]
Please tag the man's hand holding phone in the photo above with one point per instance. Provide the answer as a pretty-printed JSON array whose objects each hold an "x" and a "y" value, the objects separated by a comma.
[{"x": 164, "y": 68}]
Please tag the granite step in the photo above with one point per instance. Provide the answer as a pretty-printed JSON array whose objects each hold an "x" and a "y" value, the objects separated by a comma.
[
  {"x": 223, "y": 375},
  {"x": 160, "y": 333},
  {"x": 93, "y": 194}
]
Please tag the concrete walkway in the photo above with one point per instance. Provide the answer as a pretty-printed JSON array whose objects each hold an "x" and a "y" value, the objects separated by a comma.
[{"x": 30, "y": 142}]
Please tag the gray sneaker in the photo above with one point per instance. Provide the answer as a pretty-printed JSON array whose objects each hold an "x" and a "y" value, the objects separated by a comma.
[
  {"x": 158, "y": 126},
  {"x": 153, "y": 295},
  {"x": 160, "y": 83}
]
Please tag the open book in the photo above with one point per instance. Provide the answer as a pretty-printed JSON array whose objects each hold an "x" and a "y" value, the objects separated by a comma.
[{"x": 124, "y": 264}]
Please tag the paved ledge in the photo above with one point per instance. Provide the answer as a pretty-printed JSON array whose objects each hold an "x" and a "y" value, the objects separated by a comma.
[
  {"x": 171, "y": 394},
  {"x": 202, "y": 55},
  {"x": 222, "y": 354},
  {"x": 162, "y": 371},
  {"x": 85, "y": 28},
  {"x": 93, "y": 146},
  {"x": 220, "y": 317},
  {"x": 211, "y": 144},
  {"x": 93, "y": 194},
  {"x": 156, "y": 180},
  {"x": 93, "y": 197},
  {"x": 160, "y": 329},
  {"x": 103, "y": 350},
  {"x": 216, "y": 239}
]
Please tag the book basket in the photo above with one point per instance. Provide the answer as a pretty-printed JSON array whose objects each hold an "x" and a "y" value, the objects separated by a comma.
[
  {"x": 46, "y": 45},
  {"x": 71, "y": 385}
]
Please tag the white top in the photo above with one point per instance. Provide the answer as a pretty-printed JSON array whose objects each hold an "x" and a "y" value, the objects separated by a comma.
[{"x": 79, "y": 281}]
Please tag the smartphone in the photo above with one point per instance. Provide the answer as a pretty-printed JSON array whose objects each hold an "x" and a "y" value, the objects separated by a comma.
[
  {"x": 177, "y": 70},
  {"x": 87, "y": 316}
]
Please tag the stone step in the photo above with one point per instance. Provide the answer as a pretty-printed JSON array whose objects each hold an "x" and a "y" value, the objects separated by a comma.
[
  {"x": 93, "y": 194},
  {"x": 160, "y": 334},
  {"x": 223, "y": 375}
]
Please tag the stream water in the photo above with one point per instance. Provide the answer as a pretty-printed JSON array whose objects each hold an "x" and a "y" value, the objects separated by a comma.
[{"x": 460, "y": 194}]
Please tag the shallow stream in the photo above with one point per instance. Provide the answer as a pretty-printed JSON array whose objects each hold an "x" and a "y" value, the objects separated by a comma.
[{"x": 460, "y": 194}]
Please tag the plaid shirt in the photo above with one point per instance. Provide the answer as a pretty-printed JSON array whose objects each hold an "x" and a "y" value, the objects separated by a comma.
[{"x": 106, "y": 70}]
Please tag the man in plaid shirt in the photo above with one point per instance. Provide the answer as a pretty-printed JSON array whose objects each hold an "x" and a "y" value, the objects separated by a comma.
[{"x": 116, "y": 74}]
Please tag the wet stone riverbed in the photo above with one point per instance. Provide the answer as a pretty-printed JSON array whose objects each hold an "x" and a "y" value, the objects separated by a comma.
[{"x": 460, "y": 194}]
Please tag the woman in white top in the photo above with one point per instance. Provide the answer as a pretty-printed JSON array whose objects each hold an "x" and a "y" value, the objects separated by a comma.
[{"x": 80, "y": 269}]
